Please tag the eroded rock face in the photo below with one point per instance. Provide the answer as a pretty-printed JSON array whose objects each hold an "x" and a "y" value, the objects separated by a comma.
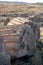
[
  {"x": 4, "y": 56},
  {"x": 18, "y": 21},
  {"x": 27, "y": 42},
  {"x": 27, "y": 33},
  {"x": 35, "y": 29}
]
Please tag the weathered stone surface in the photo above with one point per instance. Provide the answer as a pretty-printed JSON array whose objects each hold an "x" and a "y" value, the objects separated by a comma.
[
  {"x": 27, "y": 34},
  {"x": 27, "y": 42},
  {"x": 18, "y": 21},
  {"x": 36, "y": 30},
  {"x": 4, "y": 56}
]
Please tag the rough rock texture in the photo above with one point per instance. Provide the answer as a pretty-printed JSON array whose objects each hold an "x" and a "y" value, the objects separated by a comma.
[
  {"x": 21, "y": 20},
  {"x": 27, "y": 42},
  {"x": 28, "y": 36},
  {"x": 35, "y": 29},
  {"x": 18, "y": 21},
  {"x": 25, "y": 33},
  {"x": 4, "y": 56}
]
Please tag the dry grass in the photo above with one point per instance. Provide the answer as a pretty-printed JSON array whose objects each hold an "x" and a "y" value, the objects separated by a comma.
[
  {"x": 14, "y": 10},
  {"x": 20, "y": 8}
]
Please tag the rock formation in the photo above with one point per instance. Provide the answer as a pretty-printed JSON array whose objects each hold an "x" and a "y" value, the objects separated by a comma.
[
  {"x": 25, "y": 33},
  {"x": 28, "y": 36},
  {"x": 18, "y": 21}
]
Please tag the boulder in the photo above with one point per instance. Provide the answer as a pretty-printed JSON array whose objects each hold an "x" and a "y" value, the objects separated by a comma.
[{"x": 27, "y": 42}]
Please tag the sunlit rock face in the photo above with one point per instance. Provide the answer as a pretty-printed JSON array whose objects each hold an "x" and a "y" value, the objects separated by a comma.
[
  {"x": 4, "y": 56},
  {"x": 17, "y": 21},
  {"x": 28, "y": 35}
]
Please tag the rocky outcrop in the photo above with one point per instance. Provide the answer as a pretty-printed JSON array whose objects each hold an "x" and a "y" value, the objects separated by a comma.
[
  {"x": 20, "y": 39},
  {"x": 27, "y": 33},
  {"x": 27, "y": 42},
  {"x": 18, "y": 21},
  {"x": 28, "y": 38}
]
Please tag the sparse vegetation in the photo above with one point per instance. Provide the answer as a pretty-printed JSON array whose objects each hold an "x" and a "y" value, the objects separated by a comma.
[{"x": 15, "y": 10}]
